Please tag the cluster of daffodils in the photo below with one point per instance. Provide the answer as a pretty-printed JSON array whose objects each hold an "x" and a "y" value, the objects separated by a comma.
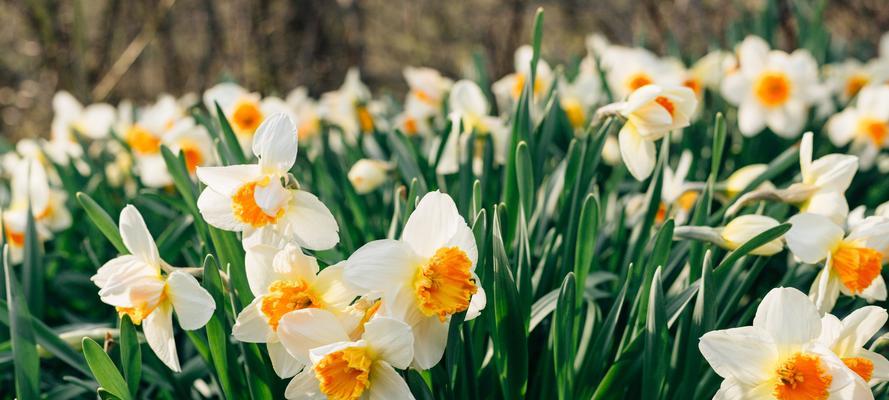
[
  {"x": 343, "y": 324},
  {"x": 341, "y": 331}
]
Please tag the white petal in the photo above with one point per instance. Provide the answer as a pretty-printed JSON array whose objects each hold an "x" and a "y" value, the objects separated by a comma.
[
  {"x": 193, "y": 304},
  {"x": 433, "y": 224},
  {"x": 859, "y": 327},
  {"x": 275, "y": 143},
  {"x": 272, "y": 197},
  {"x": 477, "y": 303},
  {"x": 227, "y": 180},
  {"x": 312, "y": 223},
  {"x": 741, "y": 229},
  {"x": 639, "y": 154},
  {"x": 391, "y": 339},
  {"x": 217, "y": 211},
  {"x": 381, "y": 265},
  {"x": 333, "y": 290},
  {"x": 831, "y": 326},
  {"x": 876, "y": 291},
  {"x": 751, "y": 118},
  {"x": 282, "y": 362},
  {"x": 304, "y": 386},
  {"x": 386, "y": 384},
  {"x": 811, "y": 237},
  {"x": 158, "y": 330},
  {"x": 118, "y": 276},
  {"x": 136, "y": 236},
  {"x": 881, "y": 365},
  {"x": 742, "y": 354},
  {"x": 832, "y": 205},
  {"x": 430, "y": 339},
  {"x": 252, "y": 326},
  {"x": 825, "y": 290},
  {"x": 805, "y": 154},
  {"x": 302, "y": 330},
  {"x": 789, "y": 316},
  {"x": 833, "y": 172}
]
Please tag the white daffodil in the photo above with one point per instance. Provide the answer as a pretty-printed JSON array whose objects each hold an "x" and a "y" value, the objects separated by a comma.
[
  {"x": 469, "y": 111},
  {"x": 284, "y": 281},
  {"x": 734, "y": 234},
  {"x": 823, "y": 186},
  {"x": 341, "y": 367},
  {"x": 425, "y": 277},
  {"x": 846, "y": 79},
  {"x": 135, "y": 284},
  {"x": 847, "y": 338},
  {"x": 677, "y": 195},
  {"x": 307, "y": 116},
  {"x": 244, "y": 110},
  {"x": 629, "y": 69},
  {"x": 31, "y": 191},
  {"x": 508, "y": 89},
  {"x": 367, "y": 175},
  {"x": 348, "y": 107},
  {"x": 744, "y": 176},
  {"x": 428, "y": 90},
  {"x": 578, "y": 97},
  {"x": 852, "y": 263},
  {"x": 253, "y": 197},
  {"x": 709, "y": 70},
  {"x": 651, "y": 112},
  {"x": 93, "y": 121},
  {"x": 865, "y": 125},
  {"x": 779, "y": 357},
  {"x": 772, "y": 88}
]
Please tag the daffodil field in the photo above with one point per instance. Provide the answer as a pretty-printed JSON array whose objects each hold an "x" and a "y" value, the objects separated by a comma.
[{"x": 625, "y": 225}]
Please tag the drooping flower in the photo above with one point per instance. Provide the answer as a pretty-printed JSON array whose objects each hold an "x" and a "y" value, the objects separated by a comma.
[
  {"x": 651, "y": 112},
  {"x": 136, "y": 285},
  {"x": 339, "y": 367},
  {"x": 822, "y": 189},
  {"x": 367, "y": 175},
  {"x": 779, "y": 357},
  {"x": 284, "y": 281},
  {"x": 852, "y": 263},
  {"x": 734, "y": 234},
  {"x": 847, "y": 338},
  {"x": 865, "y": 125},
  {"x": 772, "y": 88},
  {"x": 254, "y": 197},
  {"x": 425, "y": 277}
]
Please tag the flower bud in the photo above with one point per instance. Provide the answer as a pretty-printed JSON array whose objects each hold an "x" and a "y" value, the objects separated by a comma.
[{"x": 367, "y": 175}]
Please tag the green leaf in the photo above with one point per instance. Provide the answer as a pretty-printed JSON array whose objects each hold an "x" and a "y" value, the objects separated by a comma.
[
  {"x": 655, "y": 359},
  {"x": 587, "y": 232},
  {"x": 563, "y": 336},
  {"x": 48, "y": 340},
  {"x": 718, "y": 146},
  {"x": 24, "y": 346},
  {"x": 130, "y": 354},
  {"x": 102, "y": 221},
  {"x": 229, "y": 138},
  {"x": 753, "y": 244},
  {"x": 525, "y": 177},
  {"x": 32, "y": 268},
  {"x": 217, "y": 332},
  {"x": 104, "y": 370}
]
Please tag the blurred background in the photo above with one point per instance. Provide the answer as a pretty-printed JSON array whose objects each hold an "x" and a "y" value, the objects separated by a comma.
[{"x": 106, "y": 50}]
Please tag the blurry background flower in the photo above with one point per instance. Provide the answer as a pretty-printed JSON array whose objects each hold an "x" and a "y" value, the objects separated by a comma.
[{"x": 272, "y": 46}]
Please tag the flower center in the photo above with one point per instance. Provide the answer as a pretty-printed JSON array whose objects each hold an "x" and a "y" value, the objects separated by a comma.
[
  {"x": 574, "y": 112},
  {"x": 141, "y": 311},
  {"x": 666, "y": 103},
  {"x": 874, "y": 129},
  {"x": 638, "y": 80},
  {"x": 855, "y": 83},
  {"x": 369, "y": 313},
  {"x": 687, "y": 200},
  {"x": 772, "y": 88},
  {"x": 424, "y": 97},
  {"x": 802, "y": 377},
  {"x": 444, "y": 285},
  {"x": 365, "y": 120},
  {"x": 16, "y": 239},
  {"x": 285, "y": 296},
  {"x": 344, "y": 374},
  {"x": 193, "y": 155},
  {"x": 245, "y": 208},
  {"x": 519, "y": 85},
  {"x": 410, "y": 126},
  {"x": 142, "y": 141},
  {"x": 693, "y": 84},
  {"x": 246, "y": 117},
  {"x": 861, "y": 366},
  {"x": 856, "y": 266}
]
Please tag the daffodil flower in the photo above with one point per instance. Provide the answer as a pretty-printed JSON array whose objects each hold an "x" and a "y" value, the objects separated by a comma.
[
  {"x": 342, "y": 368},
  {"x": 779, "y": 357},
  {"x": 848, "y": 77},
  {"x": 348, "y": 107},
  {"x": 822, "y": 189},
  {"x": 772, "y": 88},
  {"x": 244, "y": 110},
  {"x": 847, "y": 338},
  {"x": 428, "y": 90},
  {"x": 734, "y": 234},
  {"x": 865, "y": 125},
  {"x": 651, "y": 112},
  {"x": 470, "y": 108},
  {"x": 32, "y": 192},
  {"x": 424, "y": 278},
  {"x": 136, "y": 285},
  {"x": 251, "y": 197},
  {"x": 508, "y": 89},
  {"x": 367, "y": 175},
  {"x": 578, "y": 97},
  {"x": 852, "y": 263},
  {"x": 284, "y": 281},
  {"x": 628, "y": 69}
]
